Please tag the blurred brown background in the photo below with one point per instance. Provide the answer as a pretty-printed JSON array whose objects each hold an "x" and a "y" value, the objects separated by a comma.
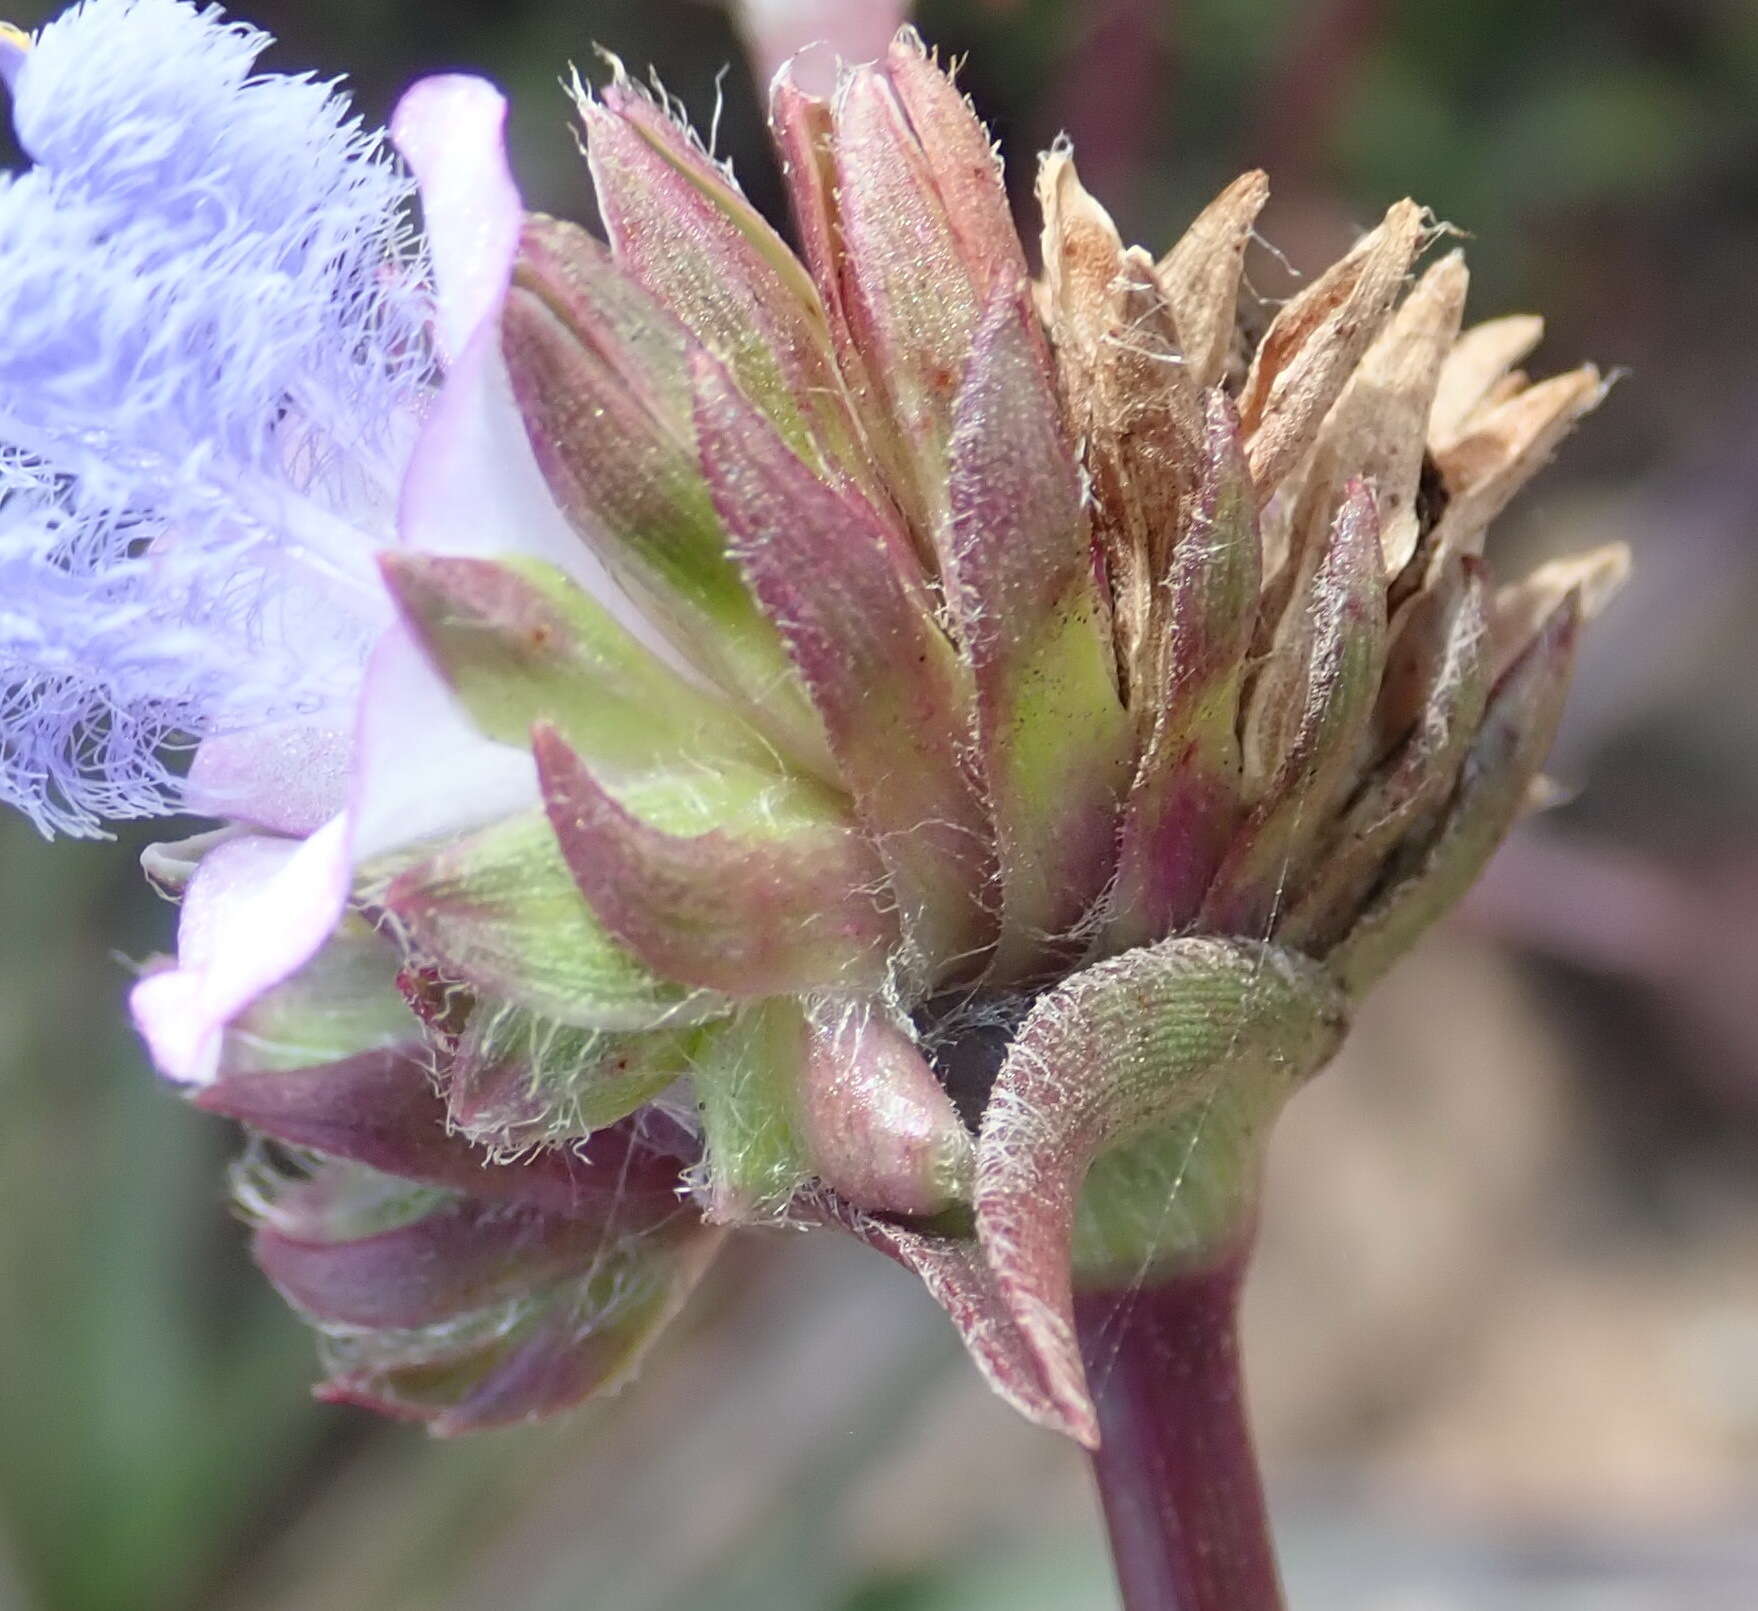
[{"x": 1504, "y": 1332}]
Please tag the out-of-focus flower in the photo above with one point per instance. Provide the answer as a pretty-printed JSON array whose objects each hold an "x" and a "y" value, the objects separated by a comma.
[
  {"x": 877, "y": 739},
  {"x": 776, "y": 31}
]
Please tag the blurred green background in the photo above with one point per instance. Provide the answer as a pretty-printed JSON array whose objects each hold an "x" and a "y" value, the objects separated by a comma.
[{"x": 1504, "y": 1335}]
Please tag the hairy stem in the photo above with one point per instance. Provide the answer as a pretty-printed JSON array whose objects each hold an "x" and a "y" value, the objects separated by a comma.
[{"x": 1183, "y": 1500}]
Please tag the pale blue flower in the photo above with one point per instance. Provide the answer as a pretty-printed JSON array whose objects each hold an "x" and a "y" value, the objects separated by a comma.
[
  {"x": 232, "y": 378},
  {"x": 215, "y": 351}
]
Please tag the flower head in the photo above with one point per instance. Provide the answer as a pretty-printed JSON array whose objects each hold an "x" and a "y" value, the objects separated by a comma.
[{"x": 874, "y": 737}]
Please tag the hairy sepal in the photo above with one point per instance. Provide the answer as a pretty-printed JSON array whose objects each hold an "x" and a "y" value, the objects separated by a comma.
[
  {"x": 1307, "y": 718},
  {"x": 911, "y": 303},
  {"x": 517, "y": 1080},
  {"x": 620, "y": 470},
  {"x": 961, "y": 160},
  {"x": 1185, "y": 802},
  {"x": 804, "y": 131},
  {"x": 748, "y": 1073},
  {"x": 621, "y": 465},
  {"x": 534, "y": 1351},
  {"x": 1502, "y": 764},
  {"x": 381, "y": 1110},
  {"x": 462, "y": 1254},
  {"x": 1133, "y": 1043},
  {"x": 580, "y": 1341},
  {"x": 499, "y": 910},
  {"x": 620, "y": 323},
  {"x": 846, "y": 593},
  {"x": 343, "y": 1002},
  {"x": 1401, "y": 800},
  {"x": 520, "y": 642},
  {"x": 681, "y": 227},
  {"x": 783, "y": 895},
  {"x": 1054, "y": 740}
]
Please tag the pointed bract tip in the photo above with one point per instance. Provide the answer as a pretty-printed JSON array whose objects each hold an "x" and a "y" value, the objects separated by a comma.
[{"x": 909, "y": 38}]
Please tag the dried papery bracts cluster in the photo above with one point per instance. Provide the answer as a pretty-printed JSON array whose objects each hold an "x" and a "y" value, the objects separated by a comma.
[{"x": 938, "y": 750}]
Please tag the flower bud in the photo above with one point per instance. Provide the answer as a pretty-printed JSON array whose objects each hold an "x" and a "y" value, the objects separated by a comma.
[{"x": 879, "y": 1128}]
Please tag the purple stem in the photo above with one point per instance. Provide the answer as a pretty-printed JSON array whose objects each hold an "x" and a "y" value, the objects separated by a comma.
[{"x": 1183, "y": 1500}]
